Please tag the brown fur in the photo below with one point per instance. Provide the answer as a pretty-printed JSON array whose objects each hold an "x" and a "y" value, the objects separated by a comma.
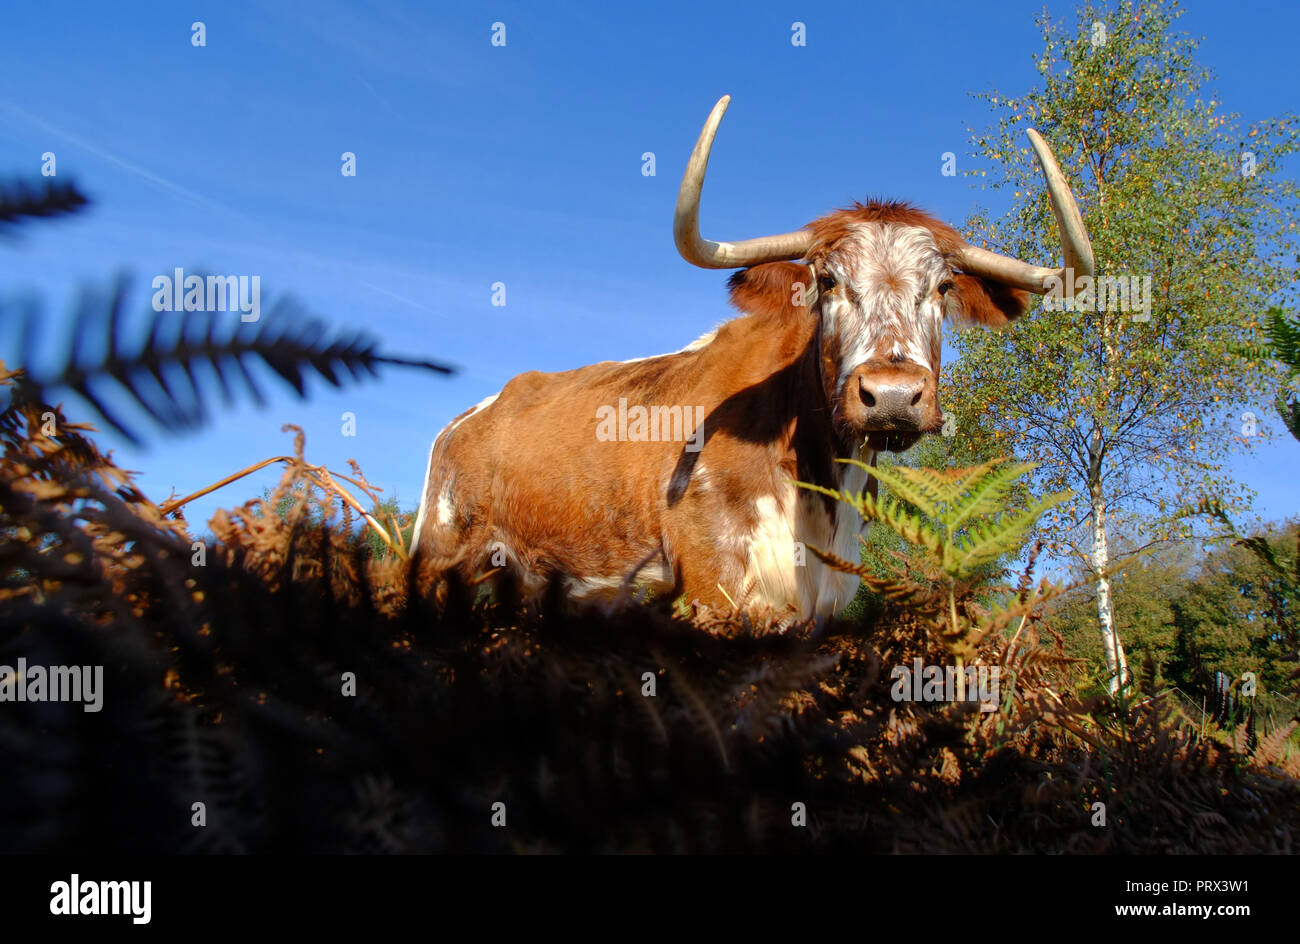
[
  {"x": 530, "y": 473},
  {"x": 574, "y": 505},
  {"x": 985, "y": 302},
  {"x": 833, "y": 227}
]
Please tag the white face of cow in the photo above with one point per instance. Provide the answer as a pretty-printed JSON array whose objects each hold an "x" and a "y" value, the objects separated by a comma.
[{"x": 881, "y": 293}]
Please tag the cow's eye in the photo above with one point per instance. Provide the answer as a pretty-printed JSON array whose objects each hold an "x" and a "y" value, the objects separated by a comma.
[
  {"x": 945, "y": 287},
  {"x": 827, "y": 282}
]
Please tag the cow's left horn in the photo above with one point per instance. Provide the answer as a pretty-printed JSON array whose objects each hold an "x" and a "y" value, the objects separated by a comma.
[
  {"x": 1075, "y": 246},
  {"x": 705, "y": 253}
]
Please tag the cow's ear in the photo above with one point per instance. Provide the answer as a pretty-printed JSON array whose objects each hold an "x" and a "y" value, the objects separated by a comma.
[
  {"x": 977, "y": 300},
  {"x": 773, "y": 288}
]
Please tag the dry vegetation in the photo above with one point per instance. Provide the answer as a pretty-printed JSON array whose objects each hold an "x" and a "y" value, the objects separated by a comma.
[{"x": 223, "y": 685}]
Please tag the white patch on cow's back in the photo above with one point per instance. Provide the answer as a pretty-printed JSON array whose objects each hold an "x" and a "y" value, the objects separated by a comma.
[
  {"x": 428, "y": 471},
  {"x": 475, "y": 409},
  {"x": 702, "y": 341}
]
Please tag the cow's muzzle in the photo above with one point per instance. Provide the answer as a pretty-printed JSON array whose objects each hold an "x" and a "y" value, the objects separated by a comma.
[{"x": 890, "y": 405}]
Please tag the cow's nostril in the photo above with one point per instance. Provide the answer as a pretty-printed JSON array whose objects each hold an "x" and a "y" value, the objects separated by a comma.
[
  {"x": 917, "y": 399},
  {"x": 867, "y": 396}
]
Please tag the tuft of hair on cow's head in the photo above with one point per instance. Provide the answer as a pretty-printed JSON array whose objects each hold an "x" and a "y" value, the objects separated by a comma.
[{"x": 881, "y": 277}]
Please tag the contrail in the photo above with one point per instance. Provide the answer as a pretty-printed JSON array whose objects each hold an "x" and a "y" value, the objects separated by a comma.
[{"x": 183, "y": 192}]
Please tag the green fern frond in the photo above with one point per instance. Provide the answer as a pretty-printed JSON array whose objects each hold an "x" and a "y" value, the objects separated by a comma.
[
  {"x": 1289, "y": 410},
  {"x": 1253, "y": 352},
  {"x": 909, "y": 526},
  {"x": 1283, "y": 337},
  {"x": 991, "y": 537},
  {"x": 961, "y": 520},
  {"x": 1282, "y": 345},
  {"x": 854, "y": 501},
  {"x": 959, "y": 515},
  {"x": 986, "y": 491},
  {"x": 952, "y": 498},
  {"x": 920, "y": 492}
]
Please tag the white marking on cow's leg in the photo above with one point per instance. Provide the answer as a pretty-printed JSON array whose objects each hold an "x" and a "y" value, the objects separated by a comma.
[
  {"x": 827, "y": 590},
  {"x": 770, "y": 572},
  {"x": 655, "y": 575}
]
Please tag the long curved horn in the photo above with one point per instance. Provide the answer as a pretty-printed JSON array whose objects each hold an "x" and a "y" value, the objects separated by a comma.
[
  {"x": 1075, "y": 246},
  {"x": 705, "y": 253}
]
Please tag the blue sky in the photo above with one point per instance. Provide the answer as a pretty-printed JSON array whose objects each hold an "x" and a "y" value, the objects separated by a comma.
[{"x": 478, "y": 164}]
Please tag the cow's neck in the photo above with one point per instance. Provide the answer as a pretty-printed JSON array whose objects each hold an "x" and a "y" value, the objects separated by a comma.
[
  {"x": 775, "y": 375},
  {"x": 776, "y": 362}
]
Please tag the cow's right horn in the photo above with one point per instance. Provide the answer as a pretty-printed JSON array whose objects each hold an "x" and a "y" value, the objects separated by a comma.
[{"x": 706, "y": 253}]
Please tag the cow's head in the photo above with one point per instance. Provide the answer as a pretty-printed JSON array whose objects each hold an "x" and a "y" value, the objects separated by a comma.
[{"x": 881, "y": 277}]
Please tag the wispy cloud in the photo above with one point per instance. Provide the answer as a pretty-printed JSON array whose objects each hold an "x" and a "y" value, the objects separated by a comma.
[
  {"x": 400, "y": 298},
  {"x": 184, "y": 193}
]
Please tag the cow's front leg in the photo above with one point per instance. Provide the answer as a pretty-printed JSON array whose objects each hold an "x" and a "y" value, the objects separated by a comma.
[{"x": 708, "y": 572}]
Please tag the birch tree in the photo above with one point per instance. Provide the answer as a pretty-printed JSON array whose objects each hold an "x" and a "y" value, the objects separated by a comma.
[{"x": 1133, "y": 397}]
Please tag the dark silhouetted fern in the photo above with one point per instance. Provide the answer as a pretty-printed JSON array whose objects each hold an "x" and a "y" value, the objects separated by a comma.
[
  {"x": 19, "y": 201},
  {"x": 163, "y": 374}
]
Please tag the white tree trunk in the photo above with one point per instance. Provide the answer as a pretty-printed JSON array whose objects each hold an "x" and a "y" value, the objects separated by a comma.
[{"x": 1116, "y": 664}]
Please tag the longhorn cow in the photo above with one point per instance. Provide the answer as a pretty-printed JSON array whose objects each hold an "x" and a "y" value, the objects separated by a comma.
[{"x": 678, "y": 471}]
